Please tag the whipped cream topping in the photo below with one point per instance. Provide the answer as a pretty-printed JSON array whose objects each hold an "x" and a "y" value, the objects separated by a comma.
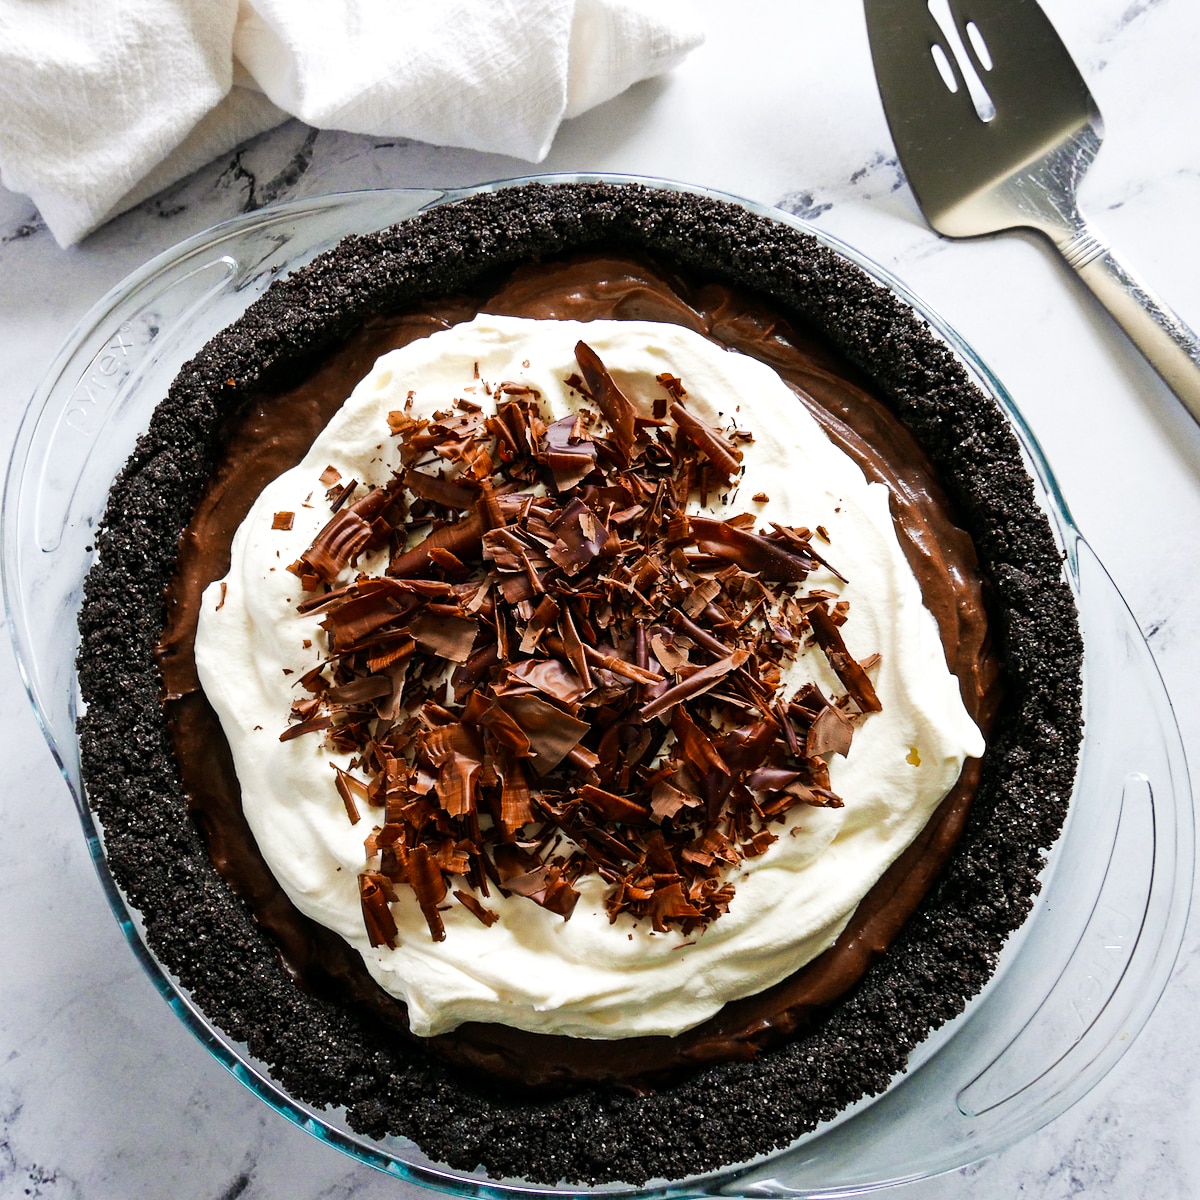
[{"x": 586, "y": 976}]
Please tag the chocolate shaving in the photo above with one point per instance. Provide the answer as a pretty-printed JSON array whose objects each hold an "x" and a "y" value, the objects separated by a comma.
[
  {"x": 470, "y": 902},
  {"x": 374, "y": 891},
  {"x": 343, "y": 539},
  {"x": 551, "y": 676},
  {"x": 547, "y": 886},
  {"x": 449, "y": 637},
  {"x": 614, "y": 808},
  {"x": 667, "y": 800},
  {"x": 854, "y": 678},
  {"x": 358, "y": 691},
  {"x": 570, "y": 453},
  {"x": 313, "y": 725},
  {"x": 695, "y": 685},
  {"x": 425, "y": 879},
  {"x": 830, "y": 733},
  {"x": 443, "y": 491},
  {"x": 614, "y": 404},
  {"x": 551, "y": 732},
  {"x": 770, "y": 560},
  {"x": 349, "y": 788},
  {"x": 724, "y": 457}
]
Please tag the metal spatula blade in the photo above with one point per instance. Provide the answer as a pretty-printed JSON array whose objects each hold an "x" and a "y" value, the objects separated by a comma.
[{"x": 994, "y": 127}]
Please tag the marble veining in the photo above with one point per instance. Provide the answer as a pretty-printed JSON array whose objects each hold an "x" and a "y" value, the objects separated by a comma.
[{"x": 103, "y": 1093}]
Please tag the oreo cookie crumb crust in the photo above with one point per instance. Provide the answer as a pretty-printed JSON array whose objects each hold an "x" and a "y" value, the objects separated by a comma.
[{"x": 327, "y": 1055}]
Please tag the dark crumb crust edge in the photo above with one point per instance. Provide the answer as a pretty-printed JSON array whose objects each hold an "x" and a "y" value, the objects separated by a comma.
[{"x": 327, "y": 1056}]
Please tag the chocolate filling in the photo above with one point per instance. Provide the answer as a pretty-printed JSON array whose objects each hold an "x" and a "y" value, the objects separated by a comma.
[{"x": 335, "y": 1053}]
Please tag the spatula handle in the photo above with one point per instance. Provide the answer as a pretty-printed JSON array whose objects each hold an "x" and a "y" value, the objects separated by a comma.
[{"x": 1167, "y": 343}]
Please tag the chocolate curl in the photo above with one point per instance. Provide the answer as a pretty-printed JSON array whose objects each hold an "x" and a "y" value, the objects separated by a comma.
[
  {"x": 854, "y": 678},
  {"x": 694, "y": 685},
  {"x": 582, "y": 759},
  {"x": 389, "y": 655},
  {"x": 337, "y": 545},
  {"x": 374, "y": 891},
  {"x": 336, "y": 597},
  {"x": 573, "y": 648},
  {"x": 618, "y": 666},
  {"x": 345, "y": 536},
  {"x": 724, "y": 457},
  {"x": 313, "y": 725},
  {"x": 613, "y": 807},
  {"x": 424, "y": 876},
  {"x": 358, "y": 691},
  {"x": 470, "y": 674},
  {"x": 666, "y": 800},
  {"x": 746, "y": 749},
  {"x": 441, "y": 491},
  {"x": 770, "y": 560},
  {"x": 542, "y": 619},
  {"x": 343, "y": 780},
  {"x": 365, "y": 609},
  {"x": 759, "y": 843},
  {"x": 673, "y": 386},
  {"x": 472, "y": 905},
  {"x": 803, "y": 546},
  {"x": 700, "y": 597},
  {"x": 348, "y": 788},
  {"x": 614, "y": 404},
  {"x": 670, "y": 903},
  {"x": 462, "y": 539},
  {"x": 488, "y": 506},
  {"x": 771, "y": 779},
  {"x": 506, "y": 732},
  {"x": 582, "y": 537},
  {"x": 503, "y": 548},
  {"x": 516, "y": 808},
  {"x": 452, "y": 749},
  {"x": 700, "y": 636},
  {"x": 673, "y": 657},
  {"x": 511, "y": 429}
]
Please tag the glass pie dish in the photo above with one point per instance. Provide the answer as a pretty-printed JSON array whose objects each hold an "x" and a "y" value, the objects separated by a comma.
[{"x": 1074, "y": 984}]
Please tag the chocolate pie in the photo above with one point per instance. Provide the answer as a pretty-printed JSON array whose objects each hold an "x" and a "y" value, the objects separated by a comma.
[{"x": 614, "y": 729}]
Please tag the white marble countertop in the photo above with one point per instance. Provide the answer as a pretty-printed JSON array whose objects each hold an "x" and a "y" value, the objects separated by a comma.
[{"x": 103, "y": 1092}]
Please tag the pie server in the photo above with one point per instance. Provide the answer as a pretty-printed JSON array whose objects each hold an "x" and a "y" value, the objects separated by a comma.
[{"x": 995, "y": 127}]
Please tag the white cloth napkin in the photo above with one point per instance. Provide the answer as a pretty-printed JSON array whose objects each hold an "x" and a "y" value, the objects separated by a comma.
[{"x": 105, "y": 102}]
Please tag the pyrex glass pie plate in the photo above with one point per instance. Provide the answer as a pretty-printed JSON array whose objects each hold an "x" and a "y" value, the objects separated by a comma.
[{"x": 1075, "y": 984}]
